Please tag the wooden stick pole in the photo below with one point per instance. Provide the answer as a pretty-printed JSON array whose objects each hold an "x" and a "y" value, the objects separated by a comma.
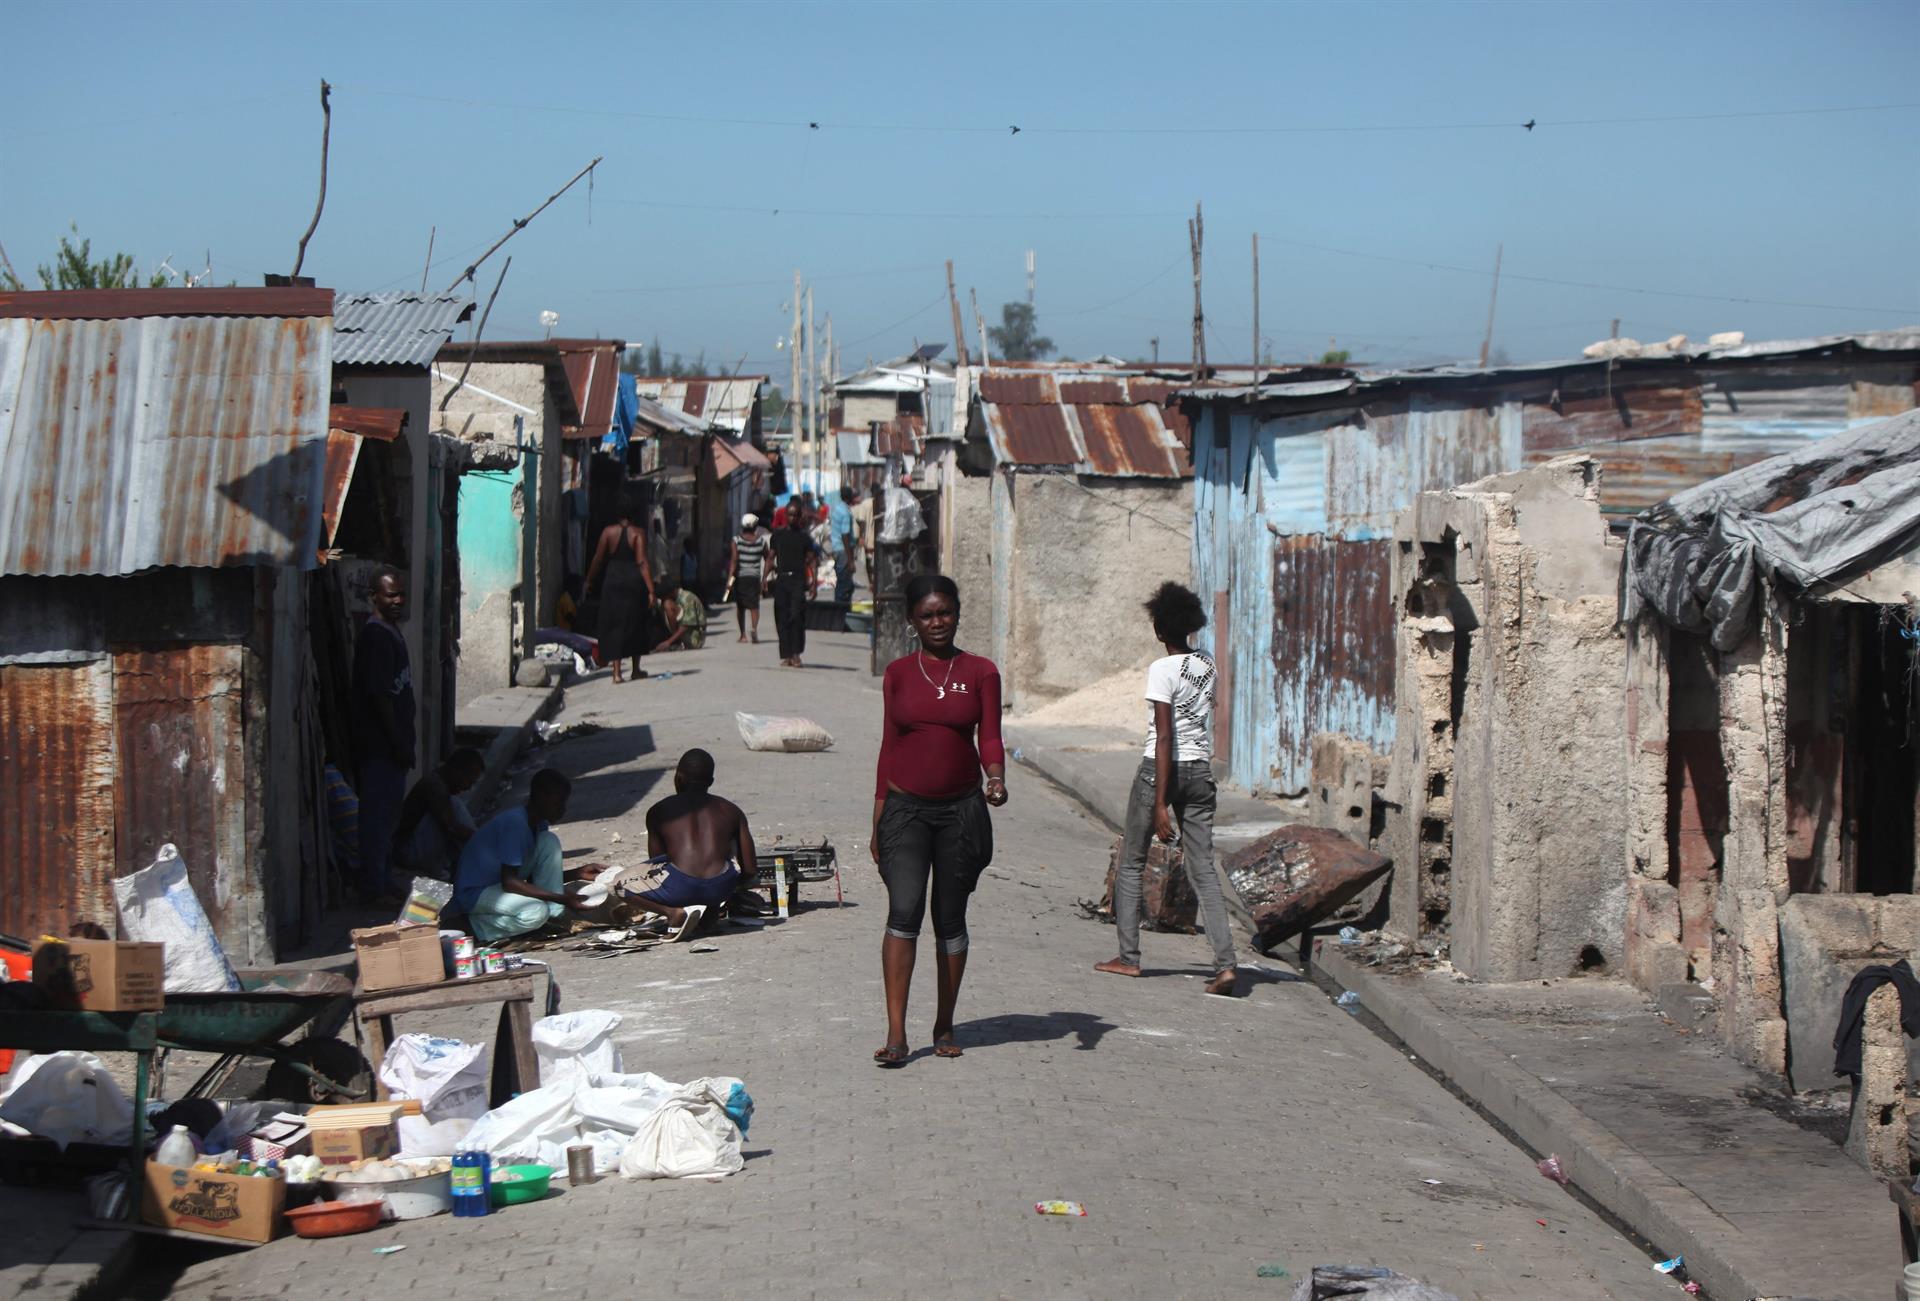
[
  {"x": 1256, "y": 306},
  {"x": 326, "y": 136},
  {"x": 1196, "y": 235},
  {"x": 1486, "y": 342},
  {"x": 520, "y": 224},
  {"x": 959, "y": 330}
]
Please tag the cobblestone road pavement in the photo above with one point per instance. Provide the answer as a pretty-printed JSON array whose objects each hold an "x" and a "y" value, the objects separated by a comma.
[{"x": 1205, "y": 1136}]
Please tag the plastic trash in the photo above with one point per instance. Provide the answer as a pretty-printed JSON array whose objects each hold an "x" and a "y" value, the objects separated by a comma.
[
  {"x": 177, "y": 1148},
  {"x": 1552, "y": 1169},
  {"x": 1668, "y": 1266},
  {"x": 68, "y": 1097},
  {"x": 158, "y": 906},
  {"x": 1271, "y": 1271},
  {"x": 389, "y": 1250},
  {"x": 1018, "y": 754},
  {"x": 1690, "y": 1287},
  {"x": 781, "y": 733},
  {"x": 1059, "y": 1208},
  {"x": 1349, "y": 1001},
  {"x": 1348, "y": 935},
  {"x": 1364, "y": 1283}
]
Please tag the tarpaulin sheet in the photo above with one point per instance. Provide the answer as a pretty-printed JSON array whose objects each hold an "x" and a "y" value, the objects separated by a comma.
[{"x": 1829, "y": 511}]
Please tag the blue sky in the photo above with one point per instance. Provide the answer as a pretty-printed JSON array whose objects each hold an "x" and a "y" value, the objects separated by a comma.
[{"x": 182, "y": 128}]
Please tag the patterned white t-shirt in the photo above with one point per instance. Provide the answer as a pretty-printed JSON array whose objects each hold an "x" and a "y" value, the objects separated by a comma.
[{"x": 1186, "y": 683}]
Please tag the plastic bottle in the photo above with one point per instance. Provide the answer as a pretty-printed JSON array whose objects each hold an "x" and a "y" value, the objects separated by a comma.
[
  {"x": 470, "y": 1183},
  {"x": 177, "y": 1148}
]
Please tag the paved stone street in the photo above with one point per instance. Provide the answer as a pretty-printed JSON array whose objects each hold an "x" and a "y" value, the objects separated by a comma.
[{"x": 1207, "y": 1137}]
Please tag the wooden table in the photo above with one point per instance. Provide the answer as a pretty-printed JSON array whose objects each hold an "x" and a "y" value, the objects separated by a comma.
[{"x": 515, "y": 1069}]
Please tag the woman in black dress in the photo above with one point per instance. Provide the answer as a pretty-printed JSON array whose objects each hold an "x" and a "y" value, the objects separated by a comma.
[{"x": 626, "y": 592}]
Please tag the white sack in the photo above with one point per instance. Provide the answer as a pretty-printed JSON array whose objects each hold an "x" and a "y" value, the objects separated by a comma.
[
  {"x": 158, "y": 906},
  {"x": 780, "y": 732},
  {"x": 689, "y": 1136},
  {"x": 536, "y": 1126},
  {"x": 68, "y": 1097},
  {"x": 446, "y": 1076},
  {"x": 621, "y": 1102},
  {"x": 575, "y": 1044},
  {"x": 422, "y": 1137}
]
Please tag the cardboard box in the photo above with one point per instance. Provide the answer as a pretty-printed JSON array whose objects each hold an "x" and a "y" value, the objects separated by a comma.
[
  {"x": 357, "y": 1131},
  {"x": 119, "y": 976},
  {"x": 393, "y": 957},
  {"x": 247, "y": 1208},
  {"x": 278, "y": 1139}
]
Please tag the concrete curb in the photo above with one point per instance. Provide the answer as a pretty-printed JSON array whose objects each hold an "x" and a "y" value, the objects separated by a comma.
[
  {"x": 501, "y": 732},
  {"x": 1076, "y": 774},
  {"x": 1603, "y": 1166}
]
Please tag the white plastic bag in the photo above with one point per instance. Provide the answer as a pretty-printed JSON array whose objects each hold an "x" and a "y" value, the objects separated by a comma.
[
  {"x": 781, "y": 732},
  {"x": 576, "y": 1044},
  {"x": 901, "y": 520},
  {"x": 68, "y": 1097},
  {"x": 536, "y": 1126},
  {"x": 688, "y": 1137},
  {"x": 158, "y": 906},
  {"x": 448, "y": 1078}
]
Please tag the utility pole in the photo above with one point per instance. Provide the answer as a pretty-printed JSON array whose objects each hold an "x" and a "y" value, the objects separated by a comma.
[
  {"x": 959, "y": 329},
  {"x": 813, "y": 396},
  {"x": 795, "y": 463},
  {"x": 1486, "y": 343},
  {"x": 826, "y": 387},
  {"x": 1196, "y": 234},
  {"x": 1256, "y": 306},
  {"x": 986, "y": 358},
  {"x": 1029, "y": 279},
  {"x": 1155, "y": 341}
]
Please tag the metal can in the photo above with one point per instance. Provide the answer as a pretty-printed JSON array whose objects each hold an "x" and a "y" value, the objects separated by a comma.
[
  {"x": 463, "y": 947},
  {"x": 580, "y": 1165},
  {"x": 463, "y": 966},
  {"x": 496, "y": 962}
]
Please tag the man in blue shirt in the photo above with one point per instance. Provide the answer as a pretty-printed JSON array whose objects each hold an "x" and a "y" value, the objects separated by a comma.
[
  {"x": 510, "y": 880},
  {"x": 840, "y": 526}
]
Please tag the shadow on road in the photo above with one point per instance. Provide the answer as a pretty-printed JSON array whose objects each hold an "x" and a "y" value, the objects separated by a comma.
[
  {"x": 609, "y": 794},
  {"x": 1032, "y": 1027}
]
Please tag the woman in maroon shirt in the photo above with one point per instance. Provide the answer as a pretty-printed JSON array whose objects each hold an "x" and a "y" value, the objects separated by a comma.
[{"x": 929, "y": 806}]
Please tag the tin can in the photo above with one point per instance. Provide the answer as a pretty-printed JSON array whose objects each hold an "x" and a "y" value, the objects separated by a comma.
[
  {"x": 463, "y": 947},
  {"x": 580, "y": 1165},
  {"x": 496, "y": 962},
  {"x": 463, "y": 966}
]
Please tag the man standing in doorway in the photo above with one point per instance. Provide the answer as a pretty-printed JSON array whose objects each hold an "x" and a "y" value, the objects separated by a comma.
[
  {"x": 792, "y": 558},
  {"x": 840, "y": 525},
  {"x": 382, "y": 717}
]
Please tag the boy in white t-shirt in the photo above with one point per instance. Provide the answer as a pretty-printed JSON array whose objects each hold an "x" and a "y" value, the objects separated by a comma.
[{"x": 1174, "y": 786}]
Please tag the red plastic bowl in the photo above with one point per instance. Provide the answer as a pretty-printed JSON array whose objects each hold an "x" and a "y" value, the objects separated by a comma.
[{"x": 335, "y": 1219}]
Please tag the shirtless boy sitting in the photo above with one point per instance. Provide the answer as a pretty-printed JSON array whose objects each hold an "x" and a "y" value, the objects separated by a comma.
[{"x": 699, "y": 849}]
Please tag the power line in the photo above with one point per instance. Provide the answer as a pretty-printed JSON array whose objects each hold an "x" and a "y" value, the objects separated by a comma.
[
  {"x": 762, "y": 284},
  {"x": 780, "y": 211},
  {"x": 1101, "y": 307},
  {"x": 938, "y": 299}
]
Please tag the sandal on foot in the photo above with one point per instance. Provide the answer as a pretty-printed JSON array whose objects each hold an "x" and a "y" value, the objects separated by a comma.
[
  {"x": 1116, "y": 967},
  {"x": 890, "y": 1057},
  {"x": 944, "y": 1046},
  {"x": 690, "y": 918},
  {"x": 1224, "y": 983}
]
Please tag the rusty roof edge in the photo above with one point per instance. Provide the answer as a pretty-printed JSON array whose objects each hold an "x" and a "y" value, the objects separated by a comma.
[{"x": 133, "y": 304}]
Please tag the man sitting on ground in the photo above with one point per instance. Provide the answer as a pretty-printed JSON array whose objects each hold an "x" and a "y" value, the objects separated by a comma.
[
  {"x": 684, "y": 614},
  {"x": 434, "y": 823},
  {"x": 510, "y": 880},
  {"x": 699, "y": 849}
]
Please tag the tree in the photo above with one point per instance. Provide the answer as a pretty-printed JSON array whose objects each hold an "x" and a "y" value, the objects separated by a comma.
[
  {"x": 74, "y": 268},
  {"x": 1014, "y": 338},
  {"x": 654, "y": 364},
  {"x": 1336, "y": 357}
]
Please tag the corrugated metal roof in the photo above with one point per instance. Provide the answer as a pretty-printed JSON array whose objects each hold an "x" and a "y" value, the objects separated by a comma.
[
  {"x": 730, "y": 454},
  {"x": 383, "y": 423},
  {"x": 395, "y": 329},
  {"x": 726, "y": 401},
  {"x": 1031, "y": 433},
  {"x": 664, "y": 419},
  {"x": 593, "y": 372},
  {"x": 135, "y": 304},
  {"x": 904, "y": 435},
  {"x": 854, "y": 446},
  {"x": 1101, "y": 424},
  {"x": 161, "y": 440}
]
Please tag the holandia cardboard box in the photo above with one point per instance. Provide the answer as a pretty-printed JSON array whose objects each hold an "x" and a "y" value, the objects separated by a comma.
[
  {"x": 119, "y": 975},
  {"x": 248, "y": 1208}
]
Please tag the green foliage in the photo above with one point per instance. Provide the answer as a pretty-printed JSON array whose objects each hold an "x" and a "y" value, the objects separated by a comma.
[
  {"x": 1014, "y": 338},
  {"x": 653, "y": 363},
  {"x": 1336, "y": 357},
  {"x": 74, "y": 268}
]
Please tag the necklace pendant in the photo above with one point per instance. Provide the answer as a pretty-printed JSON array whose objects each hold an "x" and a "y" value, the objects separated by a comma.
[{"x": 940, "y": 693}]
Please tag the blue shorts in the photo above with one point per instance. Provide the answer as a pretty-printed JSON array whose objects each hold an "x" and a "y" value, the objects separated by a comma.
[{"x": 671, "y": 888}]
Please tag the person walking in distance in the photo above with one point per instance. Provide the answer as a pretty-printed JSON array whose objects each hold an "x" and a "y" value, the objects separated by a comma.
[
  {"x": 626, "y": 592},
  {"x": 793, "y": 554},
  {"x": 745, "y": 568},
  {"x": 382, "y": 721},
  {"x": 941, "y": 729},
  {"x": 1174, "y": 786},
  {"x": 840, "y": 525}
]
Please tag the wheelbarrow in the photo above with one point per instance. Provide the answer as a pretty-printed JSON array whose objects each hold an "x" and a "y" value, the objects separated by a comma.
[{"x": 271, "y": 1004}]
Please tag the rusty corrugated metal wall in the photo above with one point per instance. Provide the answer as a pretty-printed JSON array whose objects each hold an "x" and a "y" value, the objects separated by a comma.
[{"x": 56, "y": 796}]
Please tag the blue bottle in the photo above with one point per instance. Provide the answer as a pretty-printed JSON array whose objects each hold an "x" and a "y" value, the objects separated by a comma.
[{"x": 470, "y": 1180}]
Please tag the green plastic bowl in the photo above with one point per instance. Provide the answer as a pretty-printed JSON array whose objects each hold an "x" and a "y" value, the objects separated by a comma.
[{"x": 530, "y": 1186}]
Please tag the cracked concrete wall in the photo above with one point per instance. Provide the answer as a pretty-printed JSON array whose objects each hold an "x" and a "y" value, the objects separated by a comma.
[{"x": 1525, "y": 811}]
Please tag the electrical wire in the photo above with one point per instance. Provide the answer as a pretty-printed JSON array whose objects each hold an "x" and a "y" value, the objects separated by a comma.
[{"x": 854, "y": 343}]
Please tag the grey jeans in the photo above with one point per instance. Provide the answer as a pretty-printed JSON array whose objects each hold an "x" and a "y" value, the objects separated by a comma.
[{"x": 1192, "y": 799}]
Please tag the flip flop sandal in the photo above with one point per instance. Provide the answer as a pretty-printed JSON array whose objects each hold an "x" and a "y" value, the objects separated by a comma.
[
  {"x": 693, "y": 913},
  {"x": 890, "y": 1058},
  {"x": 946, "y": 1047}
]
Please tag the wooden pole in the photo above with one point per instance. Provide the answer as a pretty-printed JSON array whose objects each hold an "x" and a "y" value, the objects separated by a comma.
[
  {"x": 1486, "y": 342},
  {"x": 431, "y": 232},
  {"x": 959, "y": 330},
  {"x": 826, "y": 388},
  {"x": 326, "y": 136},
  {"x": 795, "y": 398},
  {"x": 520, "y": 224},
  {"x": 813, "y": 396},
  {"x": 1256, "y": 306},
  {"x": 986, "y": 358},
  {"x": 479, "y": 330},
  {"x": 1196, "y": 235},
  {"x": 7, "y": 262}
]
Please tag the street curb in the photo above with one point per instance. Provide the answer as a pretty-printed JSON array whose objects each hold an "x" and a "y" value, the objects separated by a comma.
[
  {"x": 1075, "y": 776},
  {"x": 1599, "y": 1162},
  {"x": 508, "y": 743}
]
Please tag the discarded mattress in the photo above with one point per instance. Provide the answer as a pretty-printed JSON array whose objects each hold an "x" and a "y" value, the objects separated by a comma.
[{"x": 1296, "y": 877}]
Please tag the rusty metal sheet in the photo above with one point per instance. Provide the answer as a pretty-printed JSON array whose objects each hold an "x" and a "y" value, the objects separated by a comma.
[
  {"x": 1022, "y": 388},
  {"x": 728, "y": 401},
  {"x": 593, "y": 373},
  {"x": 133, "y": 304},
  {"x": 1625, "y": 414},
  {"x": 1032, "y": 435},
  {"x": 56, "y": 797},
  {"x": 1129, "y": 441},
  {"x": 383, "y": 423},
  {"x": 694, "y": 403},
  {"x": 127, "y": 444},
  {"x": 179, "y": 718},
  {"x": 343, "y": 453},
  {"x": 904, "y": 435},
  {"x": 1104, "y": 390},
  {"x": 1333, "y": 656}
]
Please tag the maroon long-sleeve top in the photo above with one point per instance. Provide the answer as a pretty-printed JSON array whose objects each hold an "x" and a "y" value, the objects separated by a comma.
[{"x": 927, "y": 743}]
